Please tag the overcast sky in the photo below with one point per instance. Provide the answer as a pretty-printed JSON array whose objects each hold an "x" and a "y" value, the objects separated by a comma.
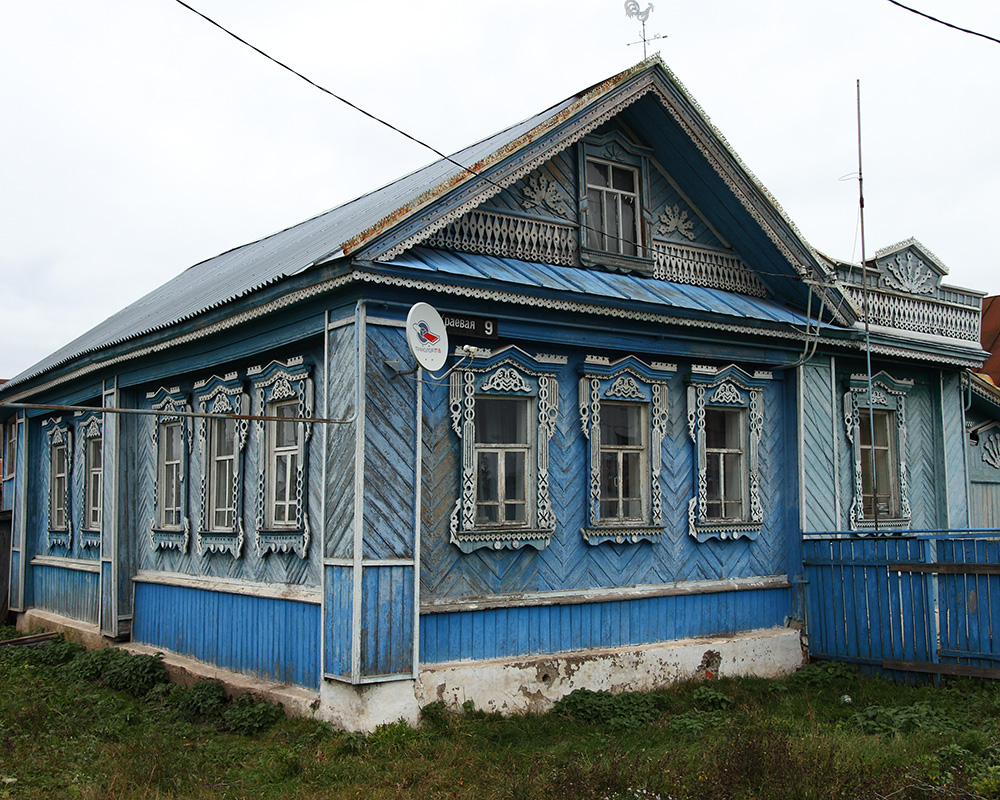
[{"x": 137, "y": 139}]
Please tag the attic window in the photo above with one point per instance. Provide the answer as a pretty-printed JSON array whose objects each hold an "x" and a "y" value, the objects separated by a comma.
[{"x": 613, "y": 206}]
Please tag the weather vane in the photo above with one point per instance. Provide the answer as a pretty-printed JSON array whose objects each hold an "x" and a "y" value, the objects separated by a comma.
[{"x": 632, "y": 10}]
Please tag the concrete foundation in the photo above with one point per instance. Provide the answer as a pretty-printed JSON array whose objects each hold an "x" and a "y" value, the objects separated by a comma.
[{"x": 508, "y": 686}]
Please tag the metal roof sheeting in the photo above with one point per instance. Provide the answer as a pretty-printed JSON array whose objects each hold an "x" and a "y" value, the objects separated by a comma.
[{"x": 590, "y": 285}]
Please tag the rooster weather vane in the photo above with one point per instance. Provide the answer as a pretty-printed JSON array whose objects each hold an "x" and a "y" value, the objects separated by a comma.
[{"x": 632, "y": 12}]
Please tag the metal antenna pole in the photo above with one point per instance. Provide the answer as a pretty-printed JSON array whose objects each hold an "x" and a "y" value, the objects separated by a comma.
[{"x": 868, "y": 333}]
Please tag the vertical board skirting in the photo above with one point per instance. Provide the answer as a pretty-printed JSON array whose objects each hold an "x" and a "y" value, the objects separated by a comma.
[
  {"x": 14, "y": 592},
  {"x": 521, "y": 631},
  {"x": 68, "y": 592},
  {"x": 267, "y": 637},
  {"x": 387, "y": 630},
  {"x": 818, "y": 450},
  {"x": 338, "y": 604}
]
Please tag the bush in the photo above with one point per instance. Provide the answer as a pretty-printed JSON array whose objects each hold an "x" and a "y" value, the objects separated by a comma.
[
  {"x": 250, "y": 715},
  {"x": 625, "y": 710},
  {"x": 205, "y": 700},
  {"x": 118, "y": 669}
]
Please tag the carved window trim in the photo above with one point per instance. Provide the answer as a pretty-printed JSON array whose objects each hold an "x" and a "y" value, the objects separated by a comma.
[
  {"x": 60, "y": 437},
  {"x": 888, "y": 394},
  {"x": 511, "y": 373},
  {"x": 91, "y": 427},
  {"x": 280, "y": 382},
  {"x": 616, "y": 150},
  {"x": 220, "y": 396},
  {"x": 627, "y": 381},
  {"x": 171, "y": 403},
  {"x": 10, "y": 447},
  {"x": 726, "y": 388}
]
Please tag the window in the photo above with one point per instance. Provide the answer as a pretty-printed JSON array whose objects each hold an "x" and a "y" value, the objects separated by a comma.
[
  {"x": 726, "y": 423},
  {"x": 171, "y": 438},
  {"x": 60, "y": 451},
  {"x": 613, "y": 208},
  {"x": 725, "y": 464},
  {"x": 221, "y": 439},
  {"x": 59, "y": 474},
  {"x": 284, "y": 390},
  {"x": 10, "y": 447},
  {"x": 502, "y": 461},
  {"x": 282, "y": 464},
  {"x": 170, "y": 461},
  {"x": 93, "y": 484},
  {"x": 624, "y": 414},
  {"x": 876, "y": 429},
  {"x": 505, "y": 413}
]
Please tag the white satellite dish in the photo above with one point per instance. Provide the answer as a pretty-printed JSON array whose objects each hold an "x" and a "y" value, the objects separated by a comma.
[{"x": 426, "y": 336}]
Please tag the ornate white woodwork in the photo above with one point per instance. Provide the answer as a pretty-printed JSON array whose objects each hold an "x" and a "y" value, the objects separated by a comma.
[
  {"x": 540, "y": 191},
  {"x": 676, "y": 220},
  {"x": 991, "y": 451},
  {"x": 629, "y": 380},
  {"x": 515, "y": 375},
  {"x": 221, "y": 396},
  {"x": 918, "y": 314},
  {"x": 282, "y": 380},
  {"x": 692, "y": 265},
  {"x": 168, "y": 402},
  {"x": 496, "y": 234},
  {"x": 59, "y": 434},
  {"x": 729, "y": 388},
  {"x": 907, "y": 272},
  {"x": 89, "y": 426},
  {"x": 888, "y": 394}
]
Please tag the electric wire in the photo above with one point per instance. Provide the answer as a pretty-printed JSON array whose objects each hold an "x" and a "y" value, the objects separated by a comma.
[{"x": 942, "y": 22}]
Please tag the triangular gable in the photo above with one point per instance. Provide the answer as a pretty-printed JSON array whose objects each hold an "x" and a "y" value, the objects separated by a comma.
[
  {"x": 909, "y": 267},
  {"x": 701, "y": 197}
]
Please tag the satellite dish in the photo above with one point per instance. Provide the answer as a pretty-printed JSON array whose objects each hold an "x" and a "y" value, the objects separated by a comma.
[{"x": 426, "y": 336}]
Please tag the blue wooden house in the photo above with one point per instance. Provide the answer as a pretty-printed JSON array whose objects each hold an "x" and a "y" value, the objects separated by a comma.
[{"x": 657, "y": 389}]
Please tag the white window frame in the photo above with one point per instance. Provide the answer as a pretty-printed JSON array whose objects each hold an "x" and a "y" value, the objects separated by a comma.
[
  {"x": 90, "y": 429},
  {"x": 626, "y": 382},
  {"x": 172, "y": 535},
  {"x": 888, "y": 397},
  {"x": 720, "y": 497},
  {"x": 501, "y": 451},
  {"x": 221, "y": 396},
  {"x": 278, "y": 383},
  {"x": 598, "y": 227},
  {"x": 10, "y": 447},
  {"x": 508, "y": 373},
  {"x": 730, "y": 389},
  {"x": 58, "y": 502}
]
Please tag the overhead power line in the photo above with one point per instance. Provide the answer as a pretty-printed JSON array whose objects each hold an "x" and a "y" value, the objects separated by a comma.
[{"x": 942, "y": 22}]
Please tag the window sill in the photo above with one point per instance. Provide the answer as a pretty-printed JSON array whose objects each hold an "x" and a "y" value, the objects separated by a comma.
[
  {"x": 886, "y": 525},
  {"x": 703, "y": 531},
  {"x": 220, "y": 542},
  {"x": 283, "y": 540},
  {"x": 616, "y": 261},
  {"x": 624, "y": 534},
  {"x": 501, "y": 539},
  {"x": 169, "y": 538},
  {"x": 90, "y": 538},
  {"x": 59, "y": 537}
]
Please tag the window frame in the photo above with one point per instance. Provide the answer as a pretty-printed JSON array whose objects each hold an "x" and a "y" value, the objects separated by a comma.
[
  {"x": 220, "y": 396},
  {"x": 616, "y": 150},
  {"x": 10, "y": 447},
  {"x": 90, "y": 428},
  {"x": 597, "y": 220},
  {"x": 508, "y": 373},
  {"x": 280, "y": 382},
  {"x": 60, "y": 437},
  {"x": 626, "y": 382},
  {"x": 728, "y": 389},
  {"x": 888, "y": 399},
  {"x": 171, "y": 405}
]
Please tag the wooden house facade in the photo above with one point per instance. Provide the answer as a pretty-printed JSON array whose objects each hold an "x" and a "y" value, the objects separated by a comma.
[{"x": 662, "y": 389}]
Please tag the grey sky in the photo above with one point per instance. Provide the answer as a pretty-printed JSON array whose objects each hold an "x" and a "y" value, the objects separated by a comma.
[{"x": 138, "y": 140}]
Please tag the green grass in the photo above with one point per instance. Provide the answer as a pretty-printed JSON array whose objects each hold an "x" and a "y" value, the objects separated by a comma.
[{"x": 66, "y": 733}]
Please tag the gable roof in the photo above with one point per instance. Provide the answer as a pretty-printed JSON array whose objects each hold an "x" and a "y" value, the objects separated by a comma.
[{"x": 386, "y": 222}]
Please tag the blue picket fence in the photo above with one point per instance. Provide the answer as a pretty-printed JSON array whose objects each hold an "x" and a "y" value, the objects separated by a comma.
[{"x": 919, "y": 603}]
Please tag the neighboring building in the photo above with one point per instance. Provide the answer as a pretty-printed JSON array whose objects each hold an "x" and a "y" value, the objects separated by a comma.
[
  {"x": 990, "y": 338},
  {"x": 670, "y": 389}
]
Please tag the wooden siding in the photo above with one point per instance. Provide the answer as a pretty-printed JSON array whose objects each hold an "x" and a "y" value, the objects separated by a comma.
[
  {"x": 568, "y": 562},
  {"x": 338, "y": 608},
  {"x": 341, "y": 381},
  {"x": 969, "y": 605},
  {"x": 511, "y": 632},
  {"x": 953, "y": 447},
  {"x": 390, "y": 448},
  {"x": 69, "y": 592},
  {"x": 387, "y": 621},
  {"x": 274, "y": 639},
  {"x": 820, "y": 426}
]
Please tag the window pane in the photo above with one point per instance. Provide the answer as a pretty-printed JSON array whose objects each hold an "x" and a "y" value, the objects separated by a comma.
[
  {"x": 715, "y": 428},
  {"x": 713, "y": 477},
  {"x": 609, "y": 475},
  {"x": 514, "y": 476},
  {"x": 488, "y": 478},
  {"x": 597, "y": 174},
  {"x": 628, "y": 245},
  {"x": 501, "y": 420},
  {"x": 621, "y": 425},
  {"x": 595, "y": 219},
  {"x": 733, "y": 476},
  {"x": 630, "y": 475},
  {"x": 623, "y": 179},
  {"x": 225, "y": 437}
]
